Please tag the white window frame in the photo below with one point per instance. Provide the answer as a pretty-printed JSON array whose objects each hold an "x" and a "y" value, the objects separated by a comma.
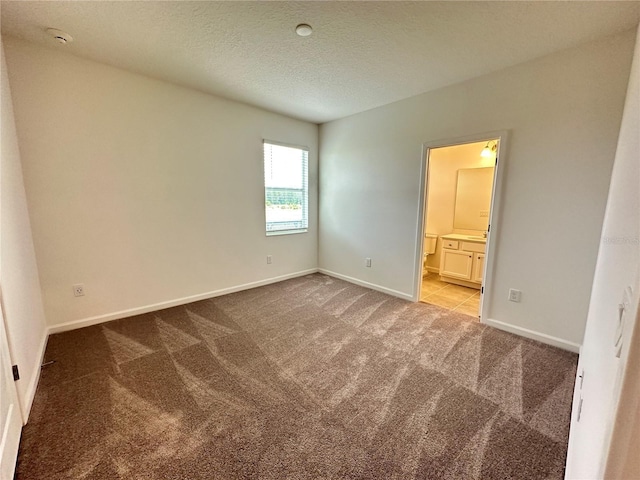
[{"x": 290, "y": 227}]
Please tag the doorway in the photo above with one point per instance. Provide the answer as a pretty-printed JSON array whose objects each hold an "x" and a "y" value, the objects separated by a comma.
[{"x": 458, "y": 199}]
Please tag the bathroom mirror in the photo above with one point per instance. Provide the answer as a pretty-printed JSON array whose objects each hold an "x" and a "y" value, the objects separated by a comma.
[{"x": 473, "y": 198}]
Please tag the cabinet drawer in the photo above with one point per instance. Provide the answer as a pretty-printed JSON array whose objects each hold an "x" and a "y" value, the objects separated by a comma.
[
  {"x": 453, "y": 244},
  {"x": 473, "y": 247}
]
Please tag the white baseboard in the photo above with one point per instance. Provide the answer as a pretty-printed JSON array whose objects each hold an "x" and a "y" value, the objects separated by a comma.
[
  {"x": 533, "y": 335},
  {"x": 35, "y": 378},
  {"x": 87, "y": 322},
  {"x": 372, "y": 286}
]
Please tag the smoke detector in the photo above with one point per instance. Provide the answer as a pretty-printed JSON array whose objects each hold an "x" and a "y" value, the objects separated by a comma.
[{"x": 60, "y": 36}]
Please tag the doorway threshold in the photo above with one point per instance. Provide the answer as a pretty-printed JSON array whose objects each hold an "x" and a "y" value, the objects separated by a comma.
[{"x": 452, "y": 297}]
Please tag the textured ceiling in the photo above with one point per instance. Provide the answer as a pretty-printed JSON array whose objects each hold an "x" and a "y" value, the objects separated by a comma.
[{"x": 361, "y": 54}]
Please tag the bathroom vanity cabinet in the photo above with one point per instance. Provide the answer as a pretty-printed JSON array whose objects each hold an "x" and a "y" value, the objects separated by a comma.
[{"x": 462, "y": 259}]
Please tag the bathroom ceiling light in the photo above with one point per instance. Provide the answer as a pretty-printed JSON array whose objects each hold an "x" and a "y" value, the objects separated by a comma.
[
  {"x": 489, "y": 149},
  {"x": 304, "y": 30}
]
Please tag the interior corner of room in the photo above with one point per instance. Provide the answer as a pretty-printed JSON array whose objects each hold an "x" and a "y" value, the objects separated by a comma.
[{"x": 510, "y": 196}]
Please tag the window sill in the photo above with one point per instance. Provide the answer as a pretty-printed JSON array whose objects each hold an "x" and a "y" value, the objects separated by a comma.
[{"x": 286, "y": 232}]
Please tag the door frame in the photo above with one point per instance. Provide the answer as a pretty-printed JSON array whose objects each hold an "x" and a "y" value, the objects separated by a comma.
[
  {"x": 494, "y": 215},
  {"x": 10, "y": 435}
]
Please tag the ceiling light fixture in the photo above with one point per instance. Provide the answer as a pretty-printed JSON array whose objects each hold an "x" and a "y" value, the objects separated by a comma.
[
  {"x": 489, "y": 149},
  {"x": 304, "y": 30},
  {"x": 60, "y": 36}
]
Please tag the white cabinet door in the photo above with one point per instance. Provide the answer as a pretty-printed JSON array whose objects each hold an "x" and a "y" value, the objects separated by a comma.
[
  {"x": 478, "y": 267},
  {"x": 10, "y": 416},
  {"x": 456, "y": 264}
]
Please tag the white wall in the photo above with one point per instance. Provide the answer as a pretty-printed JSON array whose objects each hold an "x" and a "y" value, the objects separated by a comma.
[
  {"x": 144, "y": 191},
  {"x": 21, "y": 297},
  {"x": 563, "y": 112},
  {"x": 444, "y": 164},
  {"x": 618, "y": 266}
]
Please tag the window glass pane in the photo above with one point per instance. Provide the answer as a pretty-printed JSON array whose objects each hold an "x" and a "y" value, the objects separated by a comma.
[
  {"x": 284, "y": 167},
  {"x": 286, "y": 189}
]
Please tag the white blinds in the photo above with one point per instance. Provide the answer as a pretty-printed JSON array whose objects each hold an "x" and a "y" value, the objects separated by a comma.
[{"x": 286, "y": 189}]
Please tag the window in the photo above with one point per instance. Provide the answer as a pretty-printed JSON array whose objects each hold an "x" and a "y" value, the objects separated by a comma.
[{"x": 286, "y": 189}]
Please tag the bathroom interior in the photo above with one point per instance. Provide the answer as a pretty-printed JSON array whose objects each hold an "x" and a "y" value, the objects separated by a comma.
[{"x": 458, "y": 202}]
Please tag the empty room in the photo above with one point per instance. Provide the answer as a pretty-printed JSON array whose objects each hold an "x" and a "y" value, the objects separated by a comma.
[{"x": 319, "y": 240}]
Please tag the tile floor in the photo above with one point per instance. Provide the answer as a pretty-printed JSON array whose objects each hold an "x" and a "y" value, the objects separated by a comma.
[{"x": 454, "y": 297}]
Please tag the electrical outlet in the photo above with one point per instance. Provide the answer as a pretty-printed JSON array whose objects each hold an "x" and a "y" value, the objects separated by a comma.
[
  {"x": 268, "y": 259},
  {"x": 514, "y": 295},
  {"x": 367, "y": 262},
  {"x": 78, "y": 290}
]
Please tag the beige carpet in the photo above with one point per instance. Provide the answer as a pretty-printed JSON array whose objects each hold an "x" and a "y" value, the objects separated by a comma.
[{"x": 312, "y": 378}]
